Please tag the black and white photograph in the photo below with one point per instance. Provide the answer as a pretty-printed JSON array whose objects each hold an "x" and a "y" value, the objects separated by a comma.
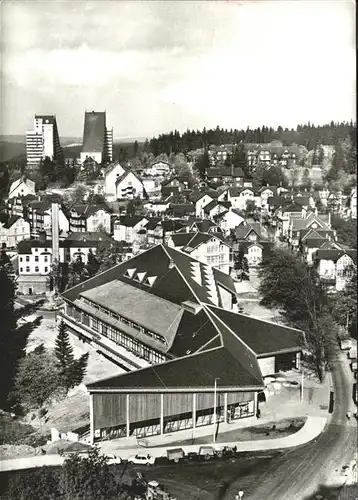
[{"x": 178, "y": 250}]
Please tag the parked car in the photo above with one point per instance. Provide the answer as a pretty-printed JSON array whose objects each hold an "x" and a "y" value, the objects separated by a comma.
[
  {"x": 192, "y": 456},
  {"x": 207, "y": 453},
  {"x": 175, "y": 454},
  {"x": 113, "y": 459},
  {"x": 141, "y": 459}
]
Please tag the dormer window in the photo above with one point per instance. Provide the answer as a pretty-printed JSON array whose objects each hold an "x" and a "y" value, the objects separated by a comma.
[{"x": 130, "y": 273}]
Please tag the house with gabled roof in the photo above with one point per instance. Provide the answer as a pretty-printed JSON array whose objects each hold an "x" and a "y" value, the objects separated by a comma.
[
  {"x": 112, "y": 173},
  {"x": 172, "y": 186},
  {"x": 239, "y": 196},
  {"x": 21, "y": 187},
  {"x": 229, "y": 220},
  {"x": 172, "y": 358},
  {"x": 129, "y": 185},
  {"x": 87, "y": 217},
  {"x": 311, "y": 221},
  {"x": 335, "y": 266},
  {"x": 13, "y": 229},
  {"x": 206, "y": 247},
  {"x": 205, "y": 226},
  {"x": 126, "y": 227},
  {"x": 214, "y": 208}
]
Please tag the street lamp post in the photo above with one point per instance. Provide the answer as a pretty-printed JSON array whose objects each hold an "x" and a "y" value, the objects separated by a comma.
[{"x": 215, "y": 389}]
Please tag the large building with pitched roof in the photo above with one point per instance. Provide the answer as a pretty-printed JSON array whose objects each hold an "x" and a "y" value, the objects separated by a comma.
[
  {"x": 169, "y": 321},
  {"x": 97, "y": 138}
]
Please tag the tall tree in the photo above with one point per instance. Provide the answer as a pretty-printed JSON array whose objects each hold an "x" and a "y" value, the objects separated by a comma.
[
  {"x": 63, "y": 349},
  {"x": 202, "y": 164},
  {"x": 291, "y": 285},
  {"x": 135, "y": 148},
  {"x": 77, "y": 271},
  {"x": 37, "y": 380}
]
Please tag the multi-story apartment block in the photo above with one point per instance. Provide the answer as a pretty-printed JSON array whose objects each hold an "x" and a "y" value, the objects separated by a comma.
[
  {"x": 43, "y": 141},
  {"x": 97, "y": 138},
  {"x": 90, "y": 218}
]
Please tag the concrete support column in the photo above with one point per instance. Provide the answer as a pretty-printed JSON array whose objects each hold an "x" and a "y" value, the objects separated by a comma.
[
  {"x": 256, "y": 407},
  {"x": 298, "y": 360},
  {"x": 91, "y": 420},
  {"x": 194, "y": 410},
  {"x": 127, "y": 415},
  {"x": 225, "y": 407},
  {"x": 162, "y": 413}
]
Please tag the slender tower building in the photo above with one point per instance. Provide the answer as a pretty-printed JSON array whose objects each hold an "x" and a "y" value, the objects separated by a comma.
[
  {"x": 43, "y": 141},
  {"x": 97, "y": 138}
]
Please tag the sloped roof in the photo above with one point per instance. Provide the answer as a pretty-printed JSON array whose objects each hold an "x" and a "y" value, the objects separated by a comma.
[
  {"x": 298, "y": 224},
  {"x": 335, "y": 254},
  {"x": 139, "y": 306},
  {"x": 197, "y": 370},
  {"x": 129, "y": 220},
  {"x": 86, "y": 210},
  {"x": 153, "y": 222},
  {"x": 262, "y": 337},
  {"x": 207, "y": 209},
  {"x": 94, "y": 132},
  {"x": 242, "y": 232},
  {"x": 126, "y": 174}
]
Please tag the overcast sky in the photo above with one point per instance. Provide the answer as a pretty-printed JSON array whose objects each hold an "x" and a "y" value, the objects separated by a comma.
[{"x": 156, "y": 66}]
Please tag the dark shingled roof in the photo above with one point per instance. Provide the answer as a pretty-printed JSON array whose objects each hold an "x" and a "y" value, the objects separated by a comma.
[
  {"x": 261, "y": 336},
  {"x": 88, "y": 210},
  {"x": 335, "y": 254},
  {"x": 129, "y": 220},
  {"x": 198, "y": 370},
  {"x": 94, "y": 132}
]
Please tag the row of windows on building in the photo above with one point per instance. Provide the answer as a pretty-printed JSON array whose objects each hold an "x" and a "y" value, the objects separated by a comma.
[
  {"x": 117, "y": 336},
  {"x": 37, "y": 269},
  {"x": 27, "y": 258},
  {"x": 126, "y": 321}
]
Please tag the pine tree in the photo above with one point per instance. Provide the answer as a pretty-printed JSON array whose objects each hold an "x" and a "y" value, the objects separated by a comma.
[
  {"x": 78, "y": 369},
  {"x": 63, "y": 348},
  {"x": 239, "y": 159}
]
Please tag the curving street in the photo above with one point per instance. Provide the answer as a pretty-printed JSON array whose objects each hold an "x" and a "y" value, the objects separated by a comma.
[{"x": 300, "y": 472}]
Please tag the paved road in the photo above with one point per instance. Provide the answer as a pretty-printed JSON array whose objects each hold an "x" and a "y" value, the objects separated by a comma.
[{"x": 300, "y": 472}]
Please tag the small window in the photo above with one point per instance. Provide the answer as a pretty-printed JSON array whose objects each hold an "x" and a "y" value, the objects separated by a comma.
[
  {"x": 46, "y": 258},
  {"x": 20, "y": 269},
  {"x": 27, "y": 258},
  {"x": 36, "y": 269},
  {"x": 20, "y": 259},
  {"x": 36, "y": 258},
  {"x": 27, "y": 269},
  {"x": 36, "y": 249},
  {"x": 46, "y": 269}
]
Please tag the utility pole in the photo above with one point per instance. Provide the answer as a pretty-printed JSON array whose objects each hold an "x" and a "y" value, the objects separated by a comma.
[
  {"x": 215, "y": 389},
  {"x": 347, "y": 323}
]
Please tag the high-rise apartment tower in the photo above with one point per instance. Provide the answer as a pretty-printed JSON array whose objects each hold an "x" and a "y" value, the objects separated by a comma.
[{"x": 43, "y": 140}]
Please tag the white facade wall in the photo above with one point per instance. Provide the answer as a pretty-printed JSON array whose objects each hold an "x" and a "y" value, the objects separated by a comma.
[
  {"x": 11, "y": 236},
  {"x": 239, "y": 202},
  {"x": 201, "y": 203},
  {"x": 38, "y": 262},
  {"x": 100, "y": 218},
  {"x": 254, "y": 255},
  {"x": 23, "y": 189},
  {"x": 230, "y": 221},
  {"x": 130, "y": 187},
  {"x": 110, "y": 182}
]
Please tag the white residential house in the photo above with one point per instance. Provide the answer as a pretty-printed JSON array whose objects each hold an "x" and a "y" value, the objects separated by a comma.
[
  {"x": 127, "y": 227},
  {"x": 229, "y": 220},
  {"x": 39, "y": 214},
  {"x": 204, "y": 200},
  {"x": 156, "y": 207},
  {"x": 112, "y": 173},
  {"x": 152, "y": 186},
  {"x": 254, "y": 254},
  {"x": 213, "y": 208},
  {"x": 207, "y": 248},
  {"x": 21, "y": 187},
  {"x": 130, "y": 186},
  {"x": 90, "y": 218},
  {"x": 13, "y": 229},
  {"x": 158, "y": 169},
  {"x": 35, "y": 258},
  {"x": 336, "y": 266},
  {"x": 239, "y": 196}
]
